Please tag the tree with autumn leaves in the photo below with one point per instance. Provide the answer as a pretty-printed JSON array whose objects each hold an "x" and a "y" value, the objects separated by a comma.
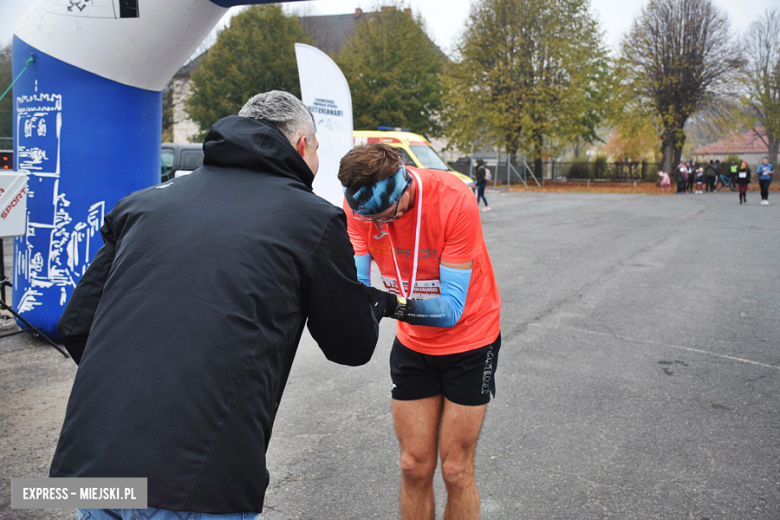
[
  {"x": 255, "y": 54},
  {"x": 392, "y": 67},
  {"x": 394, "y": 72},
  {"x": 529, "y": 76}
]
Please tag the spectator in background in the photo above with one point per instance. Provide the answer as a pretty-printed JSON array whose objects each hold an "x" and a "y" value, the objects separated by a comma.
[
  {"x": 733, "y": 170},
  {"x": 691, "y": 176},
  {"x": 743, "y": 179},
  {"x": 699, "y": 180},
  {"x": 680, "y": 176},
  {"x": 665, "y": 182},
  {"x": 710, "y": 173},
  {"x": 764, "y": 172},
  {"x": 481, "y": 181},
  {"x": 717, "y": 170}
]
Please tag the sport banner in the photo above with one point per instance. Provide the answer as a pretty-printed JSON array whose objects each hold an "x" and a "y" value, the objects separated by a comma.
[
  {"x": 13, "y": 204},
  {"x": 325, "y": 91}
]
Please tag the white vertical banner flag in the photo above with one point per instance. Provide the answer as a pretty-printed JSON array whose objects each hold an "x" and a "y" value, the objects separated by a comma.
[{"x": 325, "y": 91}]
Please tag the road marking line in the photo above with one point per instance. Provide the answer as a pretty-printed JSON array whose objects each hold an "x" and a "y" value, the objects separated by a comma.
[{"x": 679, "y": 347}]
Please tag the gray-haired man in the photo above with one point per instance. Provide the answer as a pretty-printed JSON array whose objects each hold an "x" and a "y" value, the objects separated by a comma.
[{"x": 186, "y": 323}]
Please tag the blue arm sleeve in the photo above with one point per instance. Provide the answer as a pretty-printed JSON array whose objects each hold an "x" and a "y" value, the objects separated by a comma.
[
  {"x": 444, "y": 311},
  {"x": 363, "y": 264}
]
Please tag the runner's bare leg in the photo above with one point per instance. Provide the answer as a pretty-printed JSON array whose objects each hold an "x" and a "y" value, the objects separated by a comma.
[
  {"x": 459, "y": 433},
  {"x": 417, "y": 427}
]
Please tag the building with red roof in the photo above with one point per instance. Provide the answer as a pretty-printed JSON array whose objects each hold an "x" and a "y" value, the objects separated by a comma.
[{"x": 749, "y": 146}]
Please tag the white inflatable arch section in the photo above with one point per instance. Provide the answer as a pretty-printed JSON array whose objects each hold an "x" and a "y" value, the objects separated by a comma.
[{"x": 88, "y": 123}]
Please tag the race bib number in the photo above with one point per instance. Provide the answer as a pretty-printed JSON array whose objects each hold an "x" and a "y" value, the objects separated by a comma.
[
  {"x": 423, "y": 289},
  {"x": 742, "y": 175}
]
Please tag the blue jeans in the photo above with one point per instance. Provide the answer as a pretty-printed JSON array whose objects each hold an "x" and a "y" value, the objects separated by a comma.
[
  {"x": 152, "y": 513},
  {"x": 481, "y": 192}
]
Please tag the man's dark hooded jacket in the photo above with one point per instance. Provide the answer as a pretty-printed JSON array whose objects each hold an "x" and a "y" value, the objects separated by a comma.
[{"x": 187, "y": 321}]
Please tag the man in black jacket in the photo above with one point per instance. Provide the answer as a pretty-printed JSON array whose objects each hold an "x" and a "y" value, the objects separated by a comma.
[
  {"x": 187, "y": 321},
  {"x": 710, "y": 173}
]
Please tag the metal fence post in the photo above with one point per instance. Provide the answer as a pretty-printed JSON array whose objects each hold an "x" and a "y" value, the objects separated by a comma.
[{"x": 498, "y": 163}]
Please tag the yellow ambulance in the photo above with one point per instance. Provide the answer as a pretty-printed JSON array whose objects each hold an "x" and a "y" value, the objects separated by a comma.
[{"x": 415, "y": 148}]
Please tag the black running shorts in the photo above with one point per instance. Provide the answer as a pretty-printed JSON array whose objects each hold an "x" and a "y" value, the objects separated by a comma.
[{"x": 467, "y": 378}]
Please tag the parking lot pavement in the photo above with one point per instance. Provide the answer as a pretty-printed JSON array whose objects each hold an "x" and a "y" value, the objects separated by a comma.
[{"x": 639, "y": 375}]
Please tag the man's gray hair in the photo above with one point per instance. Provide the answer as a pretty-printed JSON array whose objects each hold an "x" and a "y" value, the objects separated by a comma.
[{"x": 284, "y": 110}]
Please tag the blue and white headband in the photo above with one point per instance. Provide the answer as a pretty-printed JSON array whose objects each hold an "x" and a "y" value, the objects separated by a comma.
[{"x": 378, "y": 197}]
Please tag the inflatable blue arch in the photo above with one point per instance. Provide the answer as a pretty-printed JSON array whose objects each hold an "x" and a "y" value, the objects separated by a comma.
[{"x": 88, "y": 123}]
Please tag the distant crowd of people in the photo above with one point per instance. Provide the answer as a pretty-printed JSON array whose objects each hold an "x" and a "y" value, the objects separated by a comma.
[{"x": 705, "y": 177}]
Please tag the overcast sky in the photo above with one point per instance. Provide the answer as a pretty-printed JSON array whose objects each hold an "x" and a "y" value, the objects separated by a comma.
[{"x": 445, "y": 19}]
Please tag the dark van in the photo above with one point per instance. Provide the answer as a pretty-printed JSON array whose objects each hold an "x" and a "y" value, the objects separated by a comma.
[{"x": 180, "y": 159}]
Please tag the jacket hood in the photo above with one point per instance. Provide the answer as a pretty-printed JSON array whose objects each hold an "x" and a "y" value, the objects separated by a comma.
[{"x": 241, "y": 142}]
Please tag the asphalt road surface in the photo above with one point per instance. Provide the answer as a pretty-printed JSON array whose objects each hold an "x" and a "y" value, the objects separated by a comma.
[{"x": 638, "y": 378}]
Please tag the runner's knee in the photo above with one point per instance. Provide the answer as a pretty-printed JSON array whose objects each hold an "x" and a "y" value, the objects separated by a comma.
[
  {"x": 457, "y": 471},
  {"x": 418, "y": 468}
]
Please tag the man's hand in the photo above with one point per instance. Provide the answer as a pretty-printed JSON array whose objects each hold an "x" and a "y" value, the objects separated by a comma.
[{"x": 383, "y": 303}]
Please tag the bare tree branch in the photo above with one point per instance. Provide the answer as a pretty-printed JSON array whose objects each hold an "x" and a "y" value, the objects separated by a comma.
[
  {"x": 681, "y": 59},
  {"x": 759, "y": 109}
]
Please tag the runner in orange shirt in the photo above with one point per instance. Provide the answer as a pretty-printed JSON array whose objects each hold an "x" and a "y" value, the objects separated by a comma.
[{"x": 423, "y": 229}]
